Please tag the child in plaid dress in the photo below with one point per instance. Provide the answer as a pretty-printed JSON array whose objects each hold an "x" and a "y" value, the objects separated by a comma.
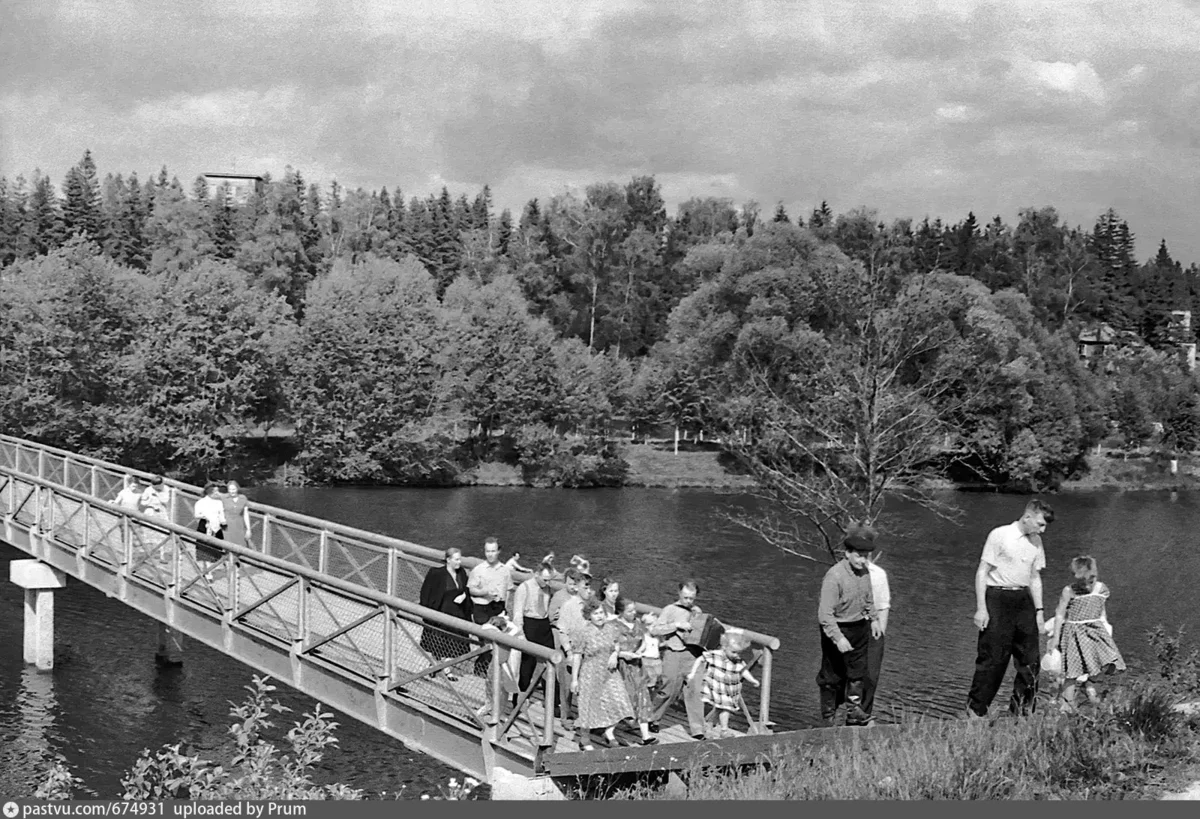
[{"x": 724, "y": 671}]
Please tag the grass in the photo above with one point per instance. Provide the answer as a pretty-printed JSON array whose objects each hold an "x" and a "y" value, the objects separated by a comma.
[
  {"x": 1118, "y": 750},
  {"x": 651, "y": 465}
]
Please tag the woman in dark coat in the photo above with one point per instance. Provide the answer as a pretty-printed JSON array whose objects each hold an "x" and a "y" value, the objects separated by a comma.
[{"x": 445, "y": 590}]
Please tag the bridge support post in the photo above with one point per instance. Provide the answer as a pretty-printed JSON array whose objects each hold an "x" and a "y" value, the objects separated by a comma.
[
  {"x": 170, "y": 646},
  {"x": 39, "y": 582}
]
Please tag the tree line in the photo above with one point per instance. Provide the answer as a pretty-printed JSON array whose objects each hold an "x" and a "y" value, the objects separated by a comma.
[{"x": 408, "y": 341}]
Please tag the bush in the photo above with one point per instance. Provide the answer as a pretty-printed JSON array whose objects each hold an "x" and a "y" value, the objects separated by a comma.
[
  {"x": 548, "y": 459},
  {"x": 256, "y": 771}
]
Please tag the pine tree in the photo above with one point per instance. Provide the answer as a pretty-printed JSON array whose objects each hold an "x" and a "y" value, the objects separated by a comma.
[
  {"x": 12, "y": 218},
  {"x": 200, "y": 189},
  {"x": 43, "y": 228},
  {"x": 781, "y": 215},
  {"x": 531, "y": 216},
  {"x": 821, "y": 217},
  {"x": 81, "y": 206},
  {"x": 481, "y": 210},
  {"x": 504, "y": 232}
]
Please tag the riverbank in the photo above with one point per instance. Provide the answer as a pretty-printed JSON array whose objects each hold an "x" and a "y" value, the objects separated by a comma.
[
  {"x": 701, "y": 466},
  {"x": 1135, "y": 748}
]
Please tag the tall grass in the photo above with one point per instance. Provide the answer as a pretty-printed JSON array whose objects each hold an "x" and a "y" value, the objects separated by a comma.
[{"x": 1110, "y": 751}]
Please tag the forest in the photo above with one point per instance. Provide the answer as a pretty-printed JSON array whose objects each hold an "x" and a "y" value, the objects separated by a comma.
[{"x": 406, "y": 342}]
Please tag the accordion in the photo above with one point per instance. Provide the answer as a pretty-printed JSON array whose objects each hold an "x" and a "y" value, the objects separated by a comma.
[{"x": 706, "y": 632}]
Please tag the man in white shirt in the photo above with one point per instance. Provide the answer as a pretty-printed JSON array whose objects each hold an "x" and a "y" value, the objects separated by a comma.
[
  {"x": 1008, "y": 611},
  {"x": 489, "y": 584}
]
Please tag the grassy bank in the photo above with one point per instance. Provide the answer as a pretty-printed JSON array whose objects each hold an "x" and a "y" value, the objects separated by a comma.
[
  {"x": 1139, "y": 470},
  {"x": 1134, "y": 747}
]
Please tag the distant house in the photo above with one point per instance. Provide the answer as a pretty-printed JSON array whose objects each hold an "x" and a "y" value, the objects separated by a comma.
[
  {"x": 240, "y": 186},
  {"x": 1094, "y": 341}
]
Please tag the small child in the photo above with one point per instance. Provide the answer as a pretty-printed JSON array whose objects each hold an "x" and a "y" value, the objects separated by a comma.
[
  {"x": 724, "y": 671},
  {"x": 1082, "y": 633},
  {"x": 651, "y": 658}
]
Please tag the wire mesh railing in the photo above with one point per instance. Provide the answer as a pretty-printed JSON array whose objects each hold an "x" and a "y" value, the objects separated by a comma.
[
  {"x": 369, "y": 560},
  {"x": 391, "y": 646}
]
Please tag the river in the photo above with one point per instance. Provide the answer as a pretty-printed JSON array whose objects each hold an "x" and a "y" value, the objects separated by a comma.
[{"x": 106, "y": 700}]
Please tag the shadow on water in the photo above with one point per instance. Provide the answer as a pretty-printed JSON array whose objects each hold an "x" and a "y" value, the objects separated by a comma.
[{"x": 107, "y": 700}]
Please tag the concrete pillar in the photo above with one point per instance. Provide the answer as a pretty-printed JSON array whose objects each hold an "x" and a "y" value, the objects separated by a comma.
[
  {"x": 170, "y": 646},
  {"x": 39, "y": 582}
]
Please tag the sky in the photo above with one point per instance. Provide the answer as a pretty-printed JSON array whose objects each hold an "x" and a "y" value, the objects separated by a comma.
[{"x": 923, "y": 108}]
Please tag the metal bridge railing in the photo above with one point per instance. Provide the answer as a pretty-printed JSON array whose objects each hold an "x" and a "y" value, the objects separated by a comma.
[
  {"x": 383, "y": 564},
  {"x": 387, "y": 644}
]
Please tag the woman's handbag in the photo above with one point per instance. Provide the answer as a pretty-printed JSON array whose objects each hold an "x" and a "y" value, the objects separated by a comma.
[{"x": 1052, "y": 661}]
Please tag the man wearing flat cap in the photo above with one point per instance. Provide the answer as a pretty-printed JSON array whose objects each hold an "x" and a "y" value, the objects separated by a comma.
[{"x": 846, "y": 613}]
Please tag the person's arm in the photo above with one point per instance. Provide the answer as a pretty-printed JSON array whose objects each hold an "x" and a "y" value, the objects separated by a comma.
[
  {"x": 695, "y": 667},
  {"x": 830, "y": 589},
  {"x": 882, "y": 602},
  {"x": 246, "y": 522},
  {"x": 666, "y": 624},
  {"x": 748, "y": 677},
  {"x": 1060, "y": 612},
  {"x": 981, "y": 612},
  {"x": 1035, "y": 591},
  {"x": 518, "y": 612},
  {"x": 576, "y": 659}
]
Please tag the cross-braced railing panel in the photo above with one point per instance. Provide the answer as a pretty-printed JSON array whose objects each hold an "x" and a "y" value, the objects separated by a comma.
[
  {"x": 356, "y": 562},
  {"x": 54, "y": 468},
  {"x": 24, "y": 502},
  {"x": 271, "y": 603},
  {"x": 8, "y": 455},
  {"x": 108, "y": 483},
  {"x": 78, "y": 476},
  {"x": 67, "y": 521},
  {"x": 27, "y": 460},
  {"x": 295, "y": 544},
  {"x": 408, "y": 575}
]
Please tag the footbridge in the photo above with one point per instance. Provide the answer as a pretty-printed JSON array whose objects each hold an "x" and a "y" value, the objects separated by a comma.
[{"x": 328, "y": 609}]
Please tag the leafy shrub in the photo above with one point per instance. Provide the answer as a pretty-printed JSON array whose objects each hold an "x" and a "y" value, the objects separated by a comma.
[
  {"x": 256, "y": 771},
  {"x": 1179, "y": 669},
  {"x": 548, "y": 459}
]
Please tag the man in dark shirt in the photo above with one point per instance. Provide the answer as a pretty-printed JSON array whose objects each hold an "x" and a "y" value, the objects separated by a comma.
[{"x": 845, "y": 613}]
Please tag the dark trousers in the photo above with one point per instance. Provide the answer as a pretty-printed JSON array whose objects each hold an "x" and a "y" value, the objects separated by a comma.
[
  {"x": 537, "y": 630},
  {"x": 480, "y": 615},
  {"x": 204, "y": 552},
  {"x": 1011, "y": 633},
  {"x": 875, "y": 647},
  {"x": 842, "y": 677}
]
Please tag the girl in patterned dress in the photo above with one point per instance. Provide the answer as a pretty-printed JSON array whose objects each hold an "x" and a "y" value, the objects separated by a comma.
[
  {"x": 1082, "y": 633},
  {"x": 598, "y": 686},
  {"x": 631, "y": 635},
  {"x": 724, "y": 671}
]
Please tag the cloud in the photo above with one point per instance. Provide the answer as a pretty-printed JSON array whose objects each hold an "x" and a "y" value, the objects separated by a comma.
[{"x": 925, "y": 107}]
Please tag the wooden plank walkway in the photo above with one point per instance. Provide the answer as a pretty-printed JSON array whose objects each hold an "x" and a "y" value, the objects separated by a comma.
[{"x": 742, "y": 750}]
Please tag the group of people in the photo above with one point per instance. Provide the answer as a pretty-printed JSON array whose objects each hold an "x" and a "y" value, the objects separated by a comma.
[
  {"x": 222, "y": 512},
  {"x": 623, "y": 664},
  {"x": 1009, "y": 615}
]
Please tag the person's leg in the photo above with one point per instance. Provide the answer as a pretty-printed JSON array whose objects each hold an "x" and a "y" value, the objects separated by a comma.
[
  {"x": 676, "y": 665},
  {"x": 536, "y": 631},
  {"x": 1027, "y": 660},
  {"x": 693, "y": 693},
  {"x": 831, "y": 680},
  {"x": 859, "y": 635},
  {"x": 874, "y": 666},
  {"x": 993, "y": 650}
]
